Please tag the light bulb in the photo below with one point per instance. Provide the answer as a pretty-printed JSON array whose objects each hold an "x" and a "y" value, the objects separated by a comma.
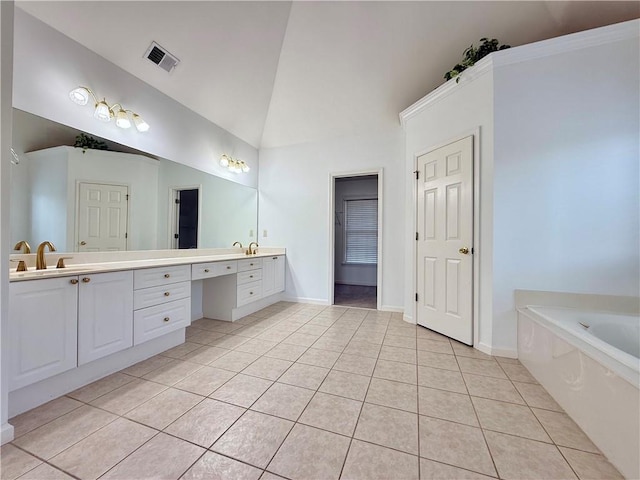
[
  {"x": 140, "y": 124},
  {"x": 224, "y": 161},
  {"x": 122, "y": 119},
  {"x": 79, "y": 95},
  {"x": 245, "y": 167},
  {"x": 102, "y": 113}
]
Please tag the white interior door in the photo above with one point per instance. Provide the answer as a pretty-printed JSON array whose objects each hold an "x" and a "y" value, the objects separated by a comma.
[
  {"x": 445, "y": 240},
  {"x": 102, "y": 217}
]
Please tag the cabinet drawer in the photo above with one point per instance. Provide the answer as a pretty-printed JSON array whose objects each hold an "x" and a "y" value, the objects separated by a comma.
[
  {"x": 156, "y": 321},
  {"x": 249, "y": 276},
  {"x": 152, "y": 277},
  {"x": 249, "y": 264},
  {"x": 148, "y": 297},
  {"x": 213, "y": 269},
  {"x": 249, "y": 292}
]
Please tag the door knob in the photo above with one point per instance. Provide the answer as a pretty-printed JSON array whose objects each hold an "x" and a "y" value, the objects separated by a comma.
[
  {"x": 464, "y": 251},
  {"x": 83, "y": 243}
]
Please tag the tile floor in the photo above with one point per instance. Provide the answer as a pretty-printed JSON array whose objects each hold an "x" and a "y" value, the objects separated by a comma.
[{"x": 307, "y": 392}]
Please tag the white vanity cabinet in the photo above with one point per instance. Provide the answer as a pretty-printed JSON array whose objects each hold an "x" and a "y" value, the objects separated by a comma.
[
  {"x": 273, "y": 272},
  {"x": 105, "y": 314},
  {"x": 43, "y": 316}
]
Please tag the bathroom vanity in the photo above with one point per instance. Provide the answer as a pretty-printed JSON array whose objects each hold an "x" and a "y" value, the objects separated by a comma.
[{"x": 71, "y": 326}]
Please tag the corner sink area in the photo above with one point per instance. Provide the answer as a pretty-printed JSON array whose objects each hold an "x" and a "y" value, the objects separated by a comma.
[{"x": 51, "y": 271}]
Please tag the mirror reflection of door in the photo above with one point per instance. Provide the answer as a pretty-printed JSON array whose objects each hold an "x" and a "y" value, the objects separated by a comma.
[
  {"x": 186, "y": 218},
  {"x": 102, "y": 217}
]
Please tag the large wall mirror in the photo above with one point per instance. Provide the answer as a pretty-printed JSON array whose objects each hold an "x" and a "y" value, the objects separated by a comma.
[{"x": 118, "y": 199}]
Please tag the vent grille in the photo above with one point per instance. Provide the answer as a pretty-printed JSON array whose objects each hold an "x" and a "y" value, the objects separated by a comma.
[{"x": 161, "y": 57}]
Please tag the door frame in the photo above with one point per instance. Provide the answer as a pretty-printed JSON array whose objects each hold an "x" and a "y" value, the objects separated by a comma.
[
  {"x": 475, "y": 290},
  {"x": 172, "y": 219},
  {"x": 332, "y": 243}
]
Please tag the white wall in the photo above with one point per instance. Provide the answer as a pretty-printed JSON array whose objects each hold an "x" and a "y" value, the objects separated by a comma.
[
  {"x": 294, "y": 208},
  {"x": 566, "y": 174},
  {"x": 48, "y": 65},
  {"x": 352, "y": 187}
]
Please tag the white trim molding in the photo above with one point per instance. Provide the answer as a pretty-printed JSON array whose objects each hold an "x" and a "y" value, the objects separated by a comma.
[{"x": 497, "y": 352}]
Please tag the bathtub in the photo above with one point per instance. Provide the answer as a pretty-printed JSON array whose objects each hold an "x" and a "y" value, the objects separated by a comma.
[{"x": 588, "y": 361}]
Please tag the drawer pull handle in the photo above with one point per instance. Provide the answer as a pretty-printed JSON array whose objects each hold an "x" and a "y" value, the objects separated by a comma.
[
  {"x": 250, "y": 276},
  {"x": 274, "y": 258},
  {"x": 166, "y": 319},
  {"x": 251, "y": 264},
  {"x": 86, "y": 279},
  {"x": 166, "y": 275},
  {"x": 73, "y": 281},
  {"x": 228, "y": 267},
  {"x": 166, "y": 294},
  {"x": 206, "y": 270},
  {"x": 250, "y": 293}
]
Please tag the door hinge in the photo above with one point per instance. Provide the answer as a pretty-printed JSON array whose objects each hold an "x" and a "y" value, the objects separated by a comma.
[
  {"x": 416, "y": 236},
  {"x": 471, "y": 250},
  {"x": 177, "y": 200},
  {"x": 127, "y": 197},
  {"x": 126, "y": 235},
  {"x": 417, "y": 172},
  {"x": 175, "y": 235},
  {"x": 416, "y": 297}
]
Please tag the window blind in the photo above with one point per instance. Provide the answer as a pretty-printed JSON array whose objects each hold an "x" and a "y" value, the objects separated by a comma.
[{"x": 361, "y": 231}]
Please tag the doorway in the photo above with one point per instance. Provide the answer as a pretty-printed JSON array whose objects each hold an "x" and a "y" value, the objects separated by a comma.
[
  {"x": 103, "y": 212},
  {"x": 185, "y": 231},
  {"x": 356, "y": 246}
]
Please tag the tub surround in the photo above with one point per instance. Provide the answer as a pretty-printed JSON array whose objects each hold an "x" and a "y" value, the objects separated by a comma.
[{"x": 598, "y": 388}]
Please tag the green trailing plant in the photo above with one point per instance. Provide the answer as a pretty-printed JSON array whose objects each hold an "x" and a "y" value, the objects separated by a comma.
[
  {"x": 472, "y": 55},
  {"x": 85, "y": 141}
]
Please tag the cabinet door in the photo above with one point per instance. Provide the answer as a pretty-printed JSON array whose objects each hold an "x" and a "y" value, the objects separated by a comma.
[
  {"x": 279, "y": 273},
  {"x": 105, "y": 314},
  {"x": 42, "y": 329},
  {"x": 268, "y": 276}
]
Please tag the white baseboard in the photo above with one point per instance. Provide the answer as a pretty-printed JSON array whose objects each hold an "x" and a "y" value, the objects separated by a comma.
[
  {"x": 6, "y": 433},
  {"x": 196, "y": 315},
  {"x": 497, "y": 352},
  {"x": 408, "y": 319},
  {"x": 312, "y": 301},
  {"x": 389, "y": 308}
]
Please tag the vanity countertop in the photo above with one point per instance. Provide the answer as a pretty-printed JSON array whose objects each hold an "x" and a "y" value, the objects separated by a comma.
[{"x": 86, "y": 268}]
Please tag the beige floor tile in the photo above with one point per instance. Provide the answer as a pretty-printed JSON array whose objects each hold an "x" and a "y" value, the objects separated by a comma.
[
  {"x": 521, "y": 458},
  {"x": 273, "y": 335},
  {"x": 54, "y": 437},
  {"x": 503, "y": 360},
  {"x": 228, "y": 342},
  {"x": 372, "y": 462},
  {"x": 310, "y": 454},
  {"x": 164, "y": 408},
  {"x": 345, "y": 384},
  {"x": 15, "y": 462},
  {"x": 590, "y": 466},
  {"x": 267, "y": 367},
  {"x": 100, "y": 451},
  {"x": 422, "y": 332},
  {"x": 518, "y": 373},
  {"x": 401, "y": 331},
  {"x": 27, "y": 421},
  {"x": 242, "y": 390},
  {"x": 442, "y": 379},
  {"x": 393, "y": 394},
  {"x": 537, "y": 396},
  {"x": 493, "y": 388},
  {"x": 181, "y": 350},
  {"x": 301, "y": 339},
  {"x": 355, "y": 364},
  {"x": 205, "y": 422},
  {"x": 45, "y": 472},
  {"x": 397, "y": 371},
  {"x": 388, "y": 427},
  {"x": 363, "y": 349},
  {"x": 430, "y": 470},
  {"x": 398, "y": 354},
  {"x": 400, "y": 341},
  {"x": 455, "y": 444},
  {"x": 462, "y": 350},
  {"x": 100, "y": 387},
  {"x": 437, "y": 360},
  {"x": 319, "y": 358},
  {"x": 435, "y": 346},
  {"x": 254, "y": 438},
  {"x": 205, "y": 354},
  {"x": 363, "y": 335},
  {"x": 235, "y": 361},
  {"x": 488, "y": 368},
  {"x": 509, "y": 418},
  {"x": 307, "y": 376},
  {"x": 329, "y": 412},
  {"x": 129, "y": 396},
  {"x": 205, "y": 380},
  {"x": 330, "y": 344},
  {"x": 172, "y": 373},
  {"x": 286, "y": 352},
  {"x": 456, "y": 407},
  {"x": 563, "y": 431},
  {"x": 150, "y": 364},
  {"x": 163, "y": 456},
  {"x": 312, "y": 330},
  {"x": 285, "y": 401},
  {"x": 255, "y": 346},
  {"x": 212, "y": 466}
]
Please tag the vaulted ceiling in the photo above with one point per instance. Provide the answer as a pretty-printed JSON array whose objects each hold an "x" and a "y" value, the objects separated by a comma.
[{"x": 282, "y": 73}]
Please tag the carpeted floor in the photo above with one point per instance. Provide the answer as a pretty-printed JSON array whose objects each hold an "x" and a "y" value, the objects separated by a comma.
[{"x": 355, "y": 296}]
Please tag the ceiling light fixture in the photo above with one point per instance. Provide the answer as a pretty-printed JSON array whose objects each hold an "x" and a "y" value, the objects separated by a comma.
[
  {"x": 233, "y": 164},
  {"x": 105, "y": 113}
]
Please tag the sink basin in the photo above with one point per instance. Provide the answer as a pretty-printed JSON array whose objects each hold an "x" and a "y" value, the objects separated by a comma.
[{"x": 51, "y": 271}]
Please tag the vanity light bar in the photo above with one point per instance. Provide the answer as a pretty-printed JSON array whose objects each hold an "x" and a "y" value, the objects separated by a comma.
[
  {"x": 105, "y": 113},
  {"x": 233, "y": 164}
]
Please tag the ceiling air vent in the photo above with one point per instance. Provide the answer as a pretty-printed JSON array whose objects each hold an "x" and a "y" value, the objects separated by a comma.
[{"x": 161, "y": 57}]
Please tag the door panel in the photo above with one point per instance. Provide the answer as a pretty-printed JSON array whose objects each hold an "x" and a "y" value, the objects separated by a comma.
[
  {"x": 102, "y": 217},
  {"x": 445, "y": 227}
]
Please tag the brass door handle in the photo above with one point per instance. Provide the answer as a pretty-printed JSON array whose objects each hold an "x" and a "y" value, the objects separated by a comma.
[
  {"x": 464, "y": 251},
  {"x": 86, "y": 280},
  {"x": 83, "y": 242}
]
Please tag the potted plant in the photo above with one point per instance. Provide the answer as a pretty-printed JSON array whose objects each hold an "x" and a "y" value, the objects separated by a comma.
[
  {"x": 85, "y": 141},
  {"x": 472, "y": 55}
]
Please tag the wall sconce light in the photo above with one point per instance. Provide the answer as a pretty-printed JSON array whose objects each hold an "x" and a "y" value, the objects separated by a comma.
[
  {"x": 105, "y": 113},
  {"x": 233, "y": 164}
]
